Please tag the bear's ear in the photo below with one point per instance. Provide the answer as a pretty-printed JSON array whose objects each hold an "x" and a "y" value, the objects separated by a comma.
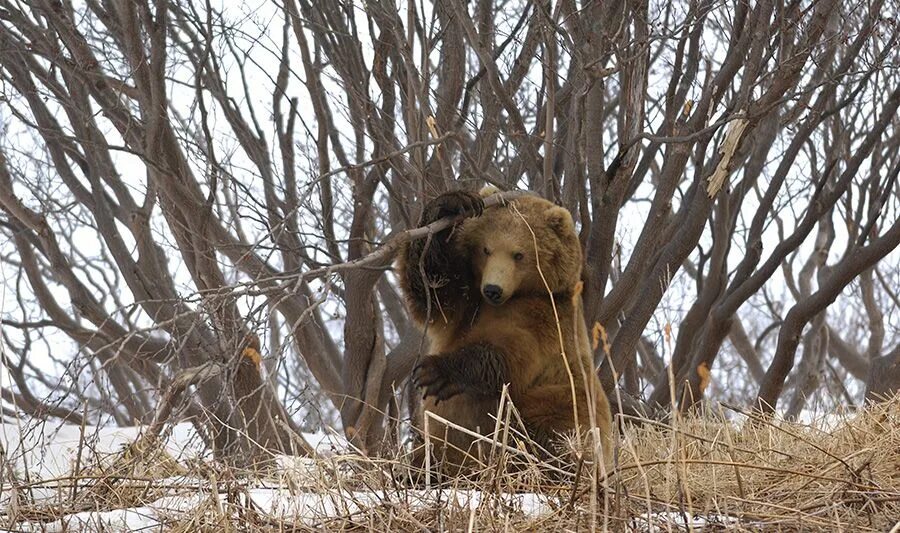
[
  {"x": 488, "y": 190},
  {"x": 560, "y": 220}
]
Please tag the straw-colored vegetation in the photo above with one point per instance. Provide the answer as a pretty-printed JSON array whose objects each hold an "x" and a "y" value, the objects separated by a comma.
[{"x": 729, "y": 470}]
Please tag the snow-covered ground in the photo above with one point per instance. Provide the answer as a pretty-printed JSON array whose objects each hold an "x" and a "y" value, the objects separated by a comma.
[
  {"x": 38, "y": 460},
  {"x": 276, "y": 504},
  {"x": 48, "y": 450},
  {"x": 43, "y": 457}
]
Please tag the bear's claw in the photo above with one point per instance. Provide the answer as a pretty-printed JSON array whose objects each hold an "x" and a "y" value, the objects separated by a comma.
[
  {"x": 432, "y": 379},
  {"x": 453, "y": 204}
]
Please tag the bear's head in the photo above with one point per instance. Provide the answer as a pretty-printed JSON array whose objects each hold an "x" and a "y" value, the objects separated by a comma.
[{"x": 524, "y": 248}]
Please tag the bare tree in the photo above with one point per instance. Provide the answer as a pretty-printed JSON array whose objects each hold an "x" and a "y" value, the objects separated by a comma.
[{"x": 175, "y": 179}]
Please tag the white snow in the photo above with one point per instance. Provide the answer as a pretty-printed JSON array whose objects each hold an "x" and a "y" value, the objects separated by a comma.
[
  {"x": 133, "y": 519},
  {"x": 676, "y": 521},
  {"x": 277, "y": 504},
  {"x": 47, "y": 450},
  {"x": 44, "y": 455}
]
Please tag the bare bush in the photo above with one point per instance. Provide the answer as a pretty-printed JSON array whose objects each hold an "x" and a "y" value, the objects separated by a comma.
[{"x": 175, "y": 179}]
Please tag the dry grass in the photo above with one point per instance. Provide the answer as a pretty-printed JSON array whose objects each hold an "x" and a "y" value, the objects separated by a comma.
[
  {"x": 768, "y": 475},
  {"x": 700, "y": 474}
]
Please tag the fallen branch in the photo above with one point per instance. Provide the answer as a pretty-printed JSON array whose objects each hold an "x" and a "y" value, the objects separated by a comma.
[{"x": 182, "y": 381}]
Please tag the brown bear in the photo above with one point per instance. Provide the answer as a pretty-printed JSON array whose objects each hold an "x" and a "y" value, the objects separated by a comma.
[{"x": 500, "y": 301}]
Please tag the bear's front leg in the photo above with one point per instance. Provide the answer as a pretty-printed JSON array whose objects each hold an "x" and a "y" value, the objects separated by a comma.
[
  {"x": 478, "y": 369},
  {"x": 433, "y": 274}
]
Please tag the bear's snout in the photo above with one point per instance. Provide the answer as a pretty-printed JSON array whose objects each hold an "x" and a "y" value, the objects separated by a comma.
[{"x": 494, "y": 293}]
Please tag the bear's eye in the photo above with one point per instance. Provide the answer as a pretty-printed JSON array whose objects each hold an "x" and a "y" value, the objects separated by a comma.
[
  {"x": 486, "y": 251},
  {"x": 518, "y": 256}
]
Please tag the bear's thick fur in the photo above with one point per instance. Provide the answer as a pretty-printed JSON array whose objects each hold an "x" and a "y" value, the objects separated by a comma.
[{"x": 501, "y": 305}]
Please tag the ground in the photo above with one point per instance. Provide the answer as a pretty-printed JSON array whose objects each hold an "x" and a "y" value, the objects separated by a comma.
[{"x": 839, "y": 472}]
